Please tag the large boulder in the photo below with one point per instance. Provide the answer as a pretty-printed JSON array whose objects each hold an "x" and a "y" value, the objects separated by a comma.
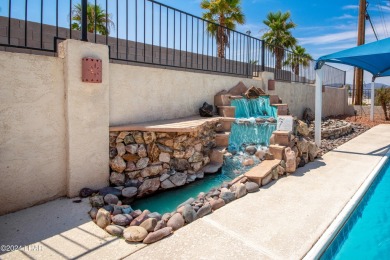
[
  {"x": 206, "y": 110},
  {"x": 291, "y": 164},
  {"x": 157, "y": 235},
  {"x": 176, "y": 221},
  {"x": 135, "y": 234},
  {"x": 308, "y": 115}
]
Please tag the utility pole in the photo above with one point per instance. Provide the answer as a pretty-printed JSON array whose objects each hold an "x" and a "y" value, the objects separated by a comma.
[{"x": 360, "y": 41}]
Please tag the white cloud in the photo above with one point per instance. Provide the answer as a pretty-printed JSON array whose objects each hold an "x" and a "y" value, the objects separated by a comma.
[
  {"x": 350, "y": 7},
  {"x": 344, "y": 17},
  {"x": 328, "y": 38}
]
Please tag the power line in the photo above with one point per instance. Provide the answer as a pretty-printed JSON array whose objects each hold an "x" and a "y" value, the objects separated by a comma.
[{"x": 372, "y": 26}]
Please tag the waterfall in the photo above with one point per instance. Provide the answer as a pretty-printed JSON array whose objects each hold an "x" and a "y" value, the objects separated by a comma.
[
  {"x": 248, "y": 130},
  {"x": 259, "y": 107}
]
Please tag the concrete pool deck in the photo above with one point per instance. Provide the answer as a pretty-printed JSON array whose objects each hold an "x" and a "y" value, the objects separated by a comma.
[{"x": 282, "y": 221}]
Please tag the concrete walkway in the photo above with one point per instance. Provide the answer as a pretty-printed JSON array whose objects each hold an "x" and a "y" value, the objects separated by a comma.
[{"x": 282, "y": 221}]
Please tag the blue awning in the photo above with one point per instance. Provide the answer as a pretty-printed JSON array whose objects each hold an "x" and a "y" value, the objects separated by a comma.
[{"x": 373, "y": 57}]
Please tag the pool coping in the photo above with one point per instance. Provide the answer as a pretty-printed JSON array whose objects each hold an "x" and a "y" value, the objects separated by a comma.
[{"x": 332, "y": 231}]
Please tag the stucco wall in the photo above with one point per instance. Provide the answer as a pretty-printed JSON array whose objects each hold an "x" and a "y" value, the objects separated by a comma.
[
  {"x": 298, "y": 96},
  {"x": 141, "y": 94},
  {"x": 32, "y": 126}
]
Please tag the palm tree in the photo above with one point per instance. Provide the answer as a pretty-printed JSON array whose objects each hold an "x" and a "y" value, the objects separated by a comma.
[
  {"x": 225, "y": 13},
  {"x": 298, "y": 57},
  {"x": 279, "y": 36},
  {"x": 94, "y": 14}
]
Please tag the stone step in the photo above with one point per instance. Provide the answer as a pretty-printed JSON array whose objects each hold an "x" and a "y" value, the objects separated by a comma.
[
  {"x": 227, "y": 111},
  {"x": 222, "y": 98},
  {"x": 277, "y": 151},
  {"x": 216, "y": 154},
  {"x": 273, "y": 99},
  {"x": 222, "y": 139},
  {"x": 282, "y": 109},
  {"x": 226, "y": 124},
  {"x": 281, "y": 137},
  {"x": 262, "y": 173}
]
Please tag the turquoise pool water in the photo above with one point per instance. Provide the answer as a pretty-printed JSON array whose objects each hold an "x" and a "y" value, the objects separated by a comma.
[
  {"x": 366, "y": 234},
  {"x": 168, "y": 200}
]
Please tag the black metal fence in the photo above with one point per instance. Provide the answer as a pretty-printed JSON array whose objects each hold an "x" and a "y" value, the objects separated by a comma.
[{"x": 148, "y": 32}]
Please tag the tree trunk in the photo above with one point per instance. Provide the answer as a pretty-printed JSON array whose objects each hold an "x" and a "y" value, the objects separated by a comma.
[
  {"x": 279, "y": 54},
  {"x": 221, "y": 41},
  {"x": 384, "y": 107}
]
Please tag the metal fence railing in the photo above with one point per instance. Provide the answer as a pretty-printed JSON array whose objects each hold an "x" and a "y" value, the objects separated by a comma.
[{"x": 148, "y": 32}]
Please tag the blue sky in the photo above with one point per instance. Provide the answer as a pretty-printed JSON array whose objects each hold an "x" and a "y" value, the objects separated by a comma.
[{"x": 323, "y": 27}]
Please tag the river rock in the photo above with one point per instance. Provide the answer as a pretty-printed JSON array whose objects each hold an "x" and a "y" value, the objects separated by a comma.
[
  {"x": 290, "y": 160},
  {"x": 120, "y": 147},
  {"x": 204, "y": 210},
  {"x": 96, "y": 201},
  {"x": 142, "y": 163},
  {"x": 188, "y": 213},
  {"x": 138, "y": 137},
  {"x": 118, "y": 164},
  {"x": 178, "y": 179},
  {"x": 115, "y": 230},
  {"x": 109, "y": 190},
  {"x": 135, "y": 234},
  {"x": 164, "y": 157},
  {"x": 109, "y": 208},
  {"x": 167, "y": 184},
  {"x": 189, "y": 152},
  {"x": 132, "y": 148},
  {"x": 212, "y": 167},
  {"x": 126, "y": 209},
  {"x": 117, "y": 178},
  {"x": 157, "y": 235},
  {"x": 155, "y": 215},
  {"x": 251, "y": 149},
  {"x": 93, "y": 212},
  {"x": 148, "y": 186},
  {"x": 149, "y": 224},
  {"x": 176, "y": 221},
  {"x": 129, "y": 192},
  {"x": 198, "y": 147},
  {"x": 260, "y": 154},
  {"x": 111, "y": 199},
  {"x": 200, "y": 175},
  {"x": 113, "y": 152},
  {"x": 103, "y": 218},
  {"x": 128, "y": 157},
  {"x": 122, "y": 219},
  {"x": 128, "y": 139},
  {"x": 189, "y": 201},
  {"x": 149, "y": 137},
  {"x": 240, "y": 190},
  {"x": 303, "y": 146},
  {"x": 141, "y": 218},
  {"x": 217, "y": 203},
  {"x": 196, "y": 157},
  {"x": 160, "y": 224},
  {"x": 136, "y": 213},
  {"x": 166, "y": 217},
  {"x": 166, "y": 141},
  {"x": 86, "y": 192},
  {"x": 227, "y": 196},
  {"x": 180, "y": 164},
  {"x": 248, "y": 162},
  {"x": 251, "y": 187},
  {"x": 164, "y": 148}
]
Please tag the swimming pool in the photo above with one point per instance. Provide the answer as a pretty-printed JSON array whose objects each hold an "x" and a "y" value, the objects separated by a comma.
[{"x": 366, "y": 233}]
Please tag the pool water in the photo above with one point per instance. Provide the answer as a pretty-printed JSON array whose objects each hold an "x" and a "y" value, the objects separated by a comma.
[
  {"x": 366, "y": 234},
  {"x": 167, "y": 201}
]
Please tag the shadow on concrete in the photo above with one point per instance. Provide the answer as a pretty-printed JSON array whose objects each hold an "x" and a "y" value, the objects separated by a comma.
[
  {"x": 378, "y": 152},
  {"x": 299, "y": 172}
]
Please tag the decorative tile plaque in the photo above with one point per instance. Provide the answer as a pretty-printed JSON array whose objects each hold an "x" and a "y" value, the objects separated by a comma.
[{"x": 92, "y": 70}]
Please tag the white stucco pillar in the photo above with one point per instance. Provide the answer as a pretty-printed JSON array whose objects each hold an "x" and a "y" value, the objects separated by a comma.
[
  {"x": 318, "y": 107},
  {"x": 372, "y": 100},
  {"x": 87, "y": 118}
]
